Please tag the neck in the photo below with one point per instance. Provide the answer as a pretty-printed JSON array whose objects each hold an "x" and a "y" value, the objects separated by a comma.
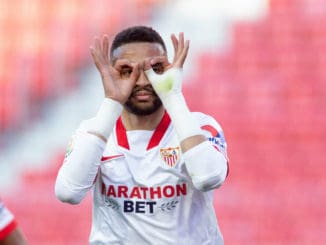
[{"x": 133, "y": 122}]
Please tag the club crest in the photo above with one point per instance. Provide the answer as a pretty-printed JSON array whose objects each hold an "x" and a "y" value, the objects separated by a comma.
[{"x": 170, "y": 155}]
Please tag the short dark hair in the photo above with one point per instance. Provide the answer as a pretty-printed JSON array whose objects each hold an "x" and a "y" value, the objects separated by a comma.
[{"x": 136, "y": 34}]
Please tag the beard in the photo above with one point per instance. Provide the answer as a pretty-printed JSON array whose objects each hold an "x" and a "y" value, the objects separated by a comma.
[{"x": 140, "y": 109}]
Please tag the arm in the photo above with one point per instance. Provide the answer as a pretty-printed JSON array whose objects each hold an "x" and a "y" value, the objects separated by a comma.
[
  {"x": 168, "y": 88},
  {"x": 206, "y": 166},
  {"x": 78, "y": 172},
  {"x": 207, "y": 163},
  {"x": 79, "y": 169}
]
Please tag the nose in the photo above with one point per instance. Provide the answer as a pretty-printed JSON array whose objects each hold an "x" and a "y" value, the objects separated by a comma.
[{"x": 142, "y": 79}]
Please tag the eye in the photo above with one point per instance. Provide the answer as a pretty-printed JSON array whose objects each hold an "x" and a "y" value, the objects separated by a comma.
[
  {"x": 158, "y": 68},
  {"x": 125, "y": 71}
]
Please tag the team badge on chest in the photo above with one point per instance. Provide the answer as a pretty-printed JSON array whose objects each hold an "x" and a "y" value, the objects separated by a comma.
[{"x": 170, "y": 155}]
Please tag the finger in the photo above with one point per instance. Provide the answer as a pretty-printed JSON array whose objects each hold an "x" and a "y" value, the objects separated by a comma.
[
  {"x": 95, "y": 58},
  {"x": 184, "y": 54},
  {"x": 135, "y": 72},
  {"x": 175, "y": 43},
  {"x": 181, "y": 42},
  {"x": 175, "y": 46},
  {"x": 105, "y": 44},
  {"x": 97, "y": 53},
  {"x": 96, "y": 50},
  {"x": 97, "y": 43},
  {"x": 93, "y": 51},
  {"x": 147, "y": 65},
  {"x": 159, "y": 59},
  {"x": 122, "y": 62}
]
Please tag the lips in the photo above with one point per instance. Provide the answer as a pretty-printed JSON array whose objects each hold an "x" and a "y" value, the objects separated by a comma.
[{"x": 142, "y": 95}]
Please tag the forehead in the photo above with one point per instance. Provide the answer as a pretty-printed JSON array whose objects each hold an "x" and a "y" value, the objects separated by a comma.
[{"x": 138, "y": 52}]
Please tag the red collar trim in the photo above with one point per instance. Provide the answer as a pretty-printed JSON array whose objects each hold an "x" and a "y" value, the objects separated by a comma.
[
  {"x": 159, "y": 131},
  {"x": 155, "y": 139},
  {"x": 121, "y": 134}
]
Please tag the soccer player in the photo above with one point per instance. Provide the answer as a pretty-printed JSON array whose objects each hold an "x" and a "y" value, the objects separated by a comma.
[
  {"x": 151, "y": 163},
  {"x": 10, "y": 234}
]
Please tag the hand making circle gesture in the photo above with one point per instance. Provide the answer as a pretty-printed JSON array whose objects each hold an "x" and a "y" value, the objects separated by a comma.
[
  {"x": 116, "y": 86},
  {"x": 181, "y": 48},
  {"x": 171, "y": 79}
]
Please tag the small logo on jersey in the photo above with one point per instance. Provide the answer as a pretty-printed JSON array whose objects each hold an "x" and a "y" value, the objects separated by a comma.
[
  {"x": 108, "y": 158},
  {"x": 168, "y": 206},
  {"x": 110, "y": 202},
  {"x": 218, "y": 141},
  {"x": 69, "y": 148},
  {"x": 216, "y": 137},
  {"x": 170, "y": 155}
]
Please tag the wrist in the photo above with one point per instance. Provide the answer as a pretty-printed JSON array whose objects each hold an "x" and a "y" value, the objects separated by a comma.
[
  {"x": 183, "y": 120},
  {"x": 167, "y": 83},
  {"x": 106, "y": 117},
  {"x": 168, "y": 88}
]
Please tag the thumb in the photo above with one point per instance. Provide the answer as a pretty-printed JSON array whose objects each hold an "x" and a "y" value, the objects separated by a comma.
[{"x": 135, "y": 72}]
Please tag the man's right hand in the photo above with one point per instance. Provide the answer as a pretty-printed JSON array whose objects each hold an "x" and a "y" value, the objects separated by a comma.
[{"x": 117, "y": 84}]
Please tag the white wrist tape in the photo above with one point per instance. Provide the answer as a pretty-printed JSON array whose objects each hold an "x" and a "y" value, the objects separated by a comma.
[
  {"x": 168, "y": 88},
  {"x": 184, "y": 122},
  {"x": 106, "y": 117},
  {"x": 166, "y": 83}
]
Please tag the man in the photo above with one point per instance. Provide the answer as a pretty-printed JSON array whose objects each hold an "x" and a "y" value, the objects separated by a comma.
[
  {"x": 10, "y": 234},
  {"x": 152, "y": 164}
]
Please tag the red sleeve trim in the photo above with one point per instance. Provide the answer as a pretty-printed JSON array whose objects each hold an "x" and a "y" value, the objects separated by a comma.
[
  {"x": 210, "y": 129},
  {"x": 8, "y": 229}
]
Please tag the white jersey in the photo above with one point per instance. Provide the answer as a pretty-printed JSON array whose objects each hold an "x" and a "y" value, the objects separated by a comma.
[
  {"x": 7, "y": 221},
  {"x": 143, "y": 193}
]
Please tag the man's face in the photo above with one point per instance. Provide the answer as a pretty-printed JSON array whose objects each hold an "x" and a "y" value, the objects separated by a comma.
[{"x": 143, "y": 99}]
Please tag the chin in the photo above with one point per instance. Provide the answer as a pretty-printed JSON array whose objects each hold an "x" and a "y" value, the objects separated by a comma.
[{"x": 143, "y": 109}]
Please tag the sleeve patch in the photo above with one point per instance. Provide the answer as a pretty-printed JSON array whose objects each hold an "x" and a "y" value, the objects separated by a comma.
[
  {"x": 69, "y": 148},
  {"x": 216, "y": 137}
]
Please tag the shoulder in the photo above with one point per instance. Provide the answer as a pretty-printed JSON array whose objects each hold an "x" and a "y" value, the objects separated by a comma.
[
  {"x": 212, "y": 130},
  {"x": 206, "y": 121}
]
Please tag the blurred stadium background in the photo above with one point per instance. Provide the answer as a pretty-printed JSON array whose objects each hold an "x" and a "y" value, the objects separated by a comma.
[{"x": 258, "y": 66}]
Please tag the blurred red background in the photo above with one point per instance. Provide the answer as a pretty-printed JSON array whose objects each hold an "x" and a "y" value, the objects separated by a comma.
[{"x": 267, "y": 90}]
